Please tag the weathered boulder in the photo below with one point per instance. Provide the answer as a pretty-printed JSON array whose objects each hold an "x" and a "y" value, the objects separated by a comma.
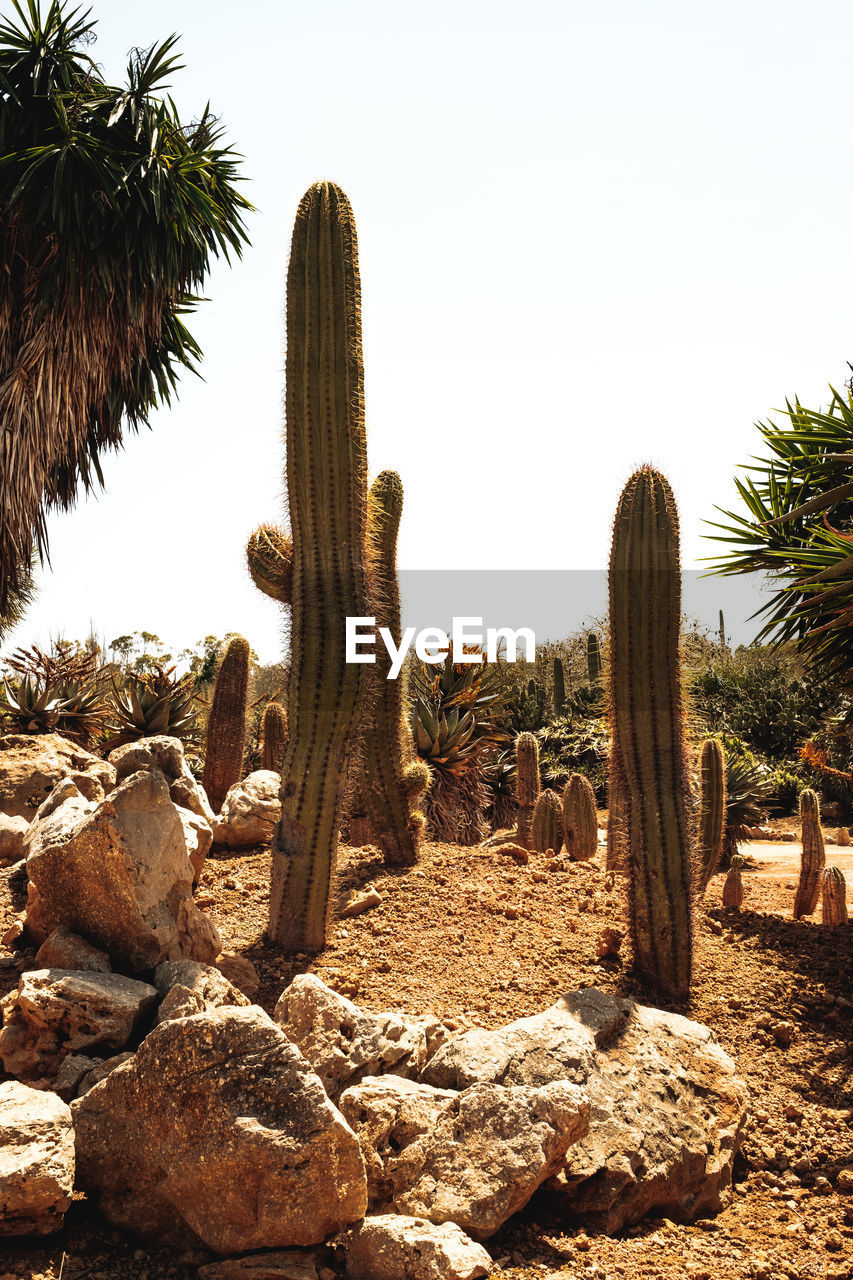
[
  {"x": 99, "y": 1071},
  {"x": 218, "y": 1132},
  {"x": 32, "y": 764},
  {"x": 165, "y": 755},
  {"x": 66, "y": 950},
  {"x": 198, "y": 835},
  {"x": 397, "y": 1247},
  {"x": 239, "y": 971},
  {"x": 36, "y": 1160},
  {"x": 55, "y": 1012},
  {"x": 344, "y": 1043},
  {"x": 188, "y": 987},
  {"x": 12, "y": 833},
  {"x": 74, "y": 1069},
  {"x": 117, "y": 872},
  {"x": 249, "y": 811},
  {"x": 473, "y": 1158},
  {"x": 276, "y": 1264}
]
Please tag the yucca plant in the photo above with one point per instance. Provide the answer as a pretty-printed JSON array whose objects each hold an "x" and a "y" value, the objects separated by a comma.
[
  {"x": 111, "y": 209},
  {"x": 152, "y": 703}
]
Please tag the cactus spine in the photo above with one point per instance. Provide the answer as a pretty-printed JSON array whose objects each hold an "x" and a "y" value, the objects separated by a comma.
[
  {"x": 226, "y": 725},
  {"x": 580, "y": 818},
  {"x": 391, "y": 782},
  {"x": 593, "y": 658},
  {"x": 527, "y": 784},
  {"x": 616, "y": 859},
  {"x": 733, "y": 886},
  {"x": 646, "y": 724},
  {"x": 547, "y": 832},
  {"x": 712, "y": 810},
  {"x": 274, "y": 737},
  {"x": 559, "y": 687},
  {"x": 269, "y": 555},
  {"x": 813, "y": 856},
  {"x": 327, "y": 496},
  {"x": 834, "y": 897}
]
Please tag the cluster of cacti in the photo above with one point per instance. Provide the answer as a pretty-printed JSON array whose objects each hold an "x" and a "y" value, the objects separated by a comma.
[
  {"x": 711, "y": 819},
  {"x": 833, "y": 897},
  {"x": 593, "y": 658},
  {"x": 733, "y": 886},
  {"x": 274, "y": 742},
  {"x": 813, "y": 856},
  {"x": 527, "y": 784},
  {"x": 580, "y": 818},
  {"x": 559, "y": 687},
  {"x": 226, "y": 725},
  {"x": 647, "y": 729},
  {"x": 546, "y": 834}
]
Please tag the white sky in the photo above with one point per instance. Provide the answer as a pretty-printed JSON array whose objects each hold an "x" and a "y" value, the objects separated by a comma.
[{"x": 591, "y": 235}]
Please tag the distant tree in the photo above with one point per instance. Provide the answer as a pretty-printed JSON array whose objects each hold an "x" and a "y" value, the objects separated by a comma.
[{"x": 110, "y": 210}]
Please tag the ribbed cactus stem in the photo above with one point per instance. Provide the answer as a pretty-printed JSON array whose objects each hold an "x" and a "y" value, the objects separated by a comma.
[
  {"x": 813, "y": 857},
  {"x": 226, "y": 725},
  {"x": 733, "y": 886},
  {"x": 580, "y": 818},
  {"x": 559, "y": 686},
  {"x": 616, "y": 859},
  {"x": 269, "y": 556},
  {"x": 647, "y": 729},
  {"x": 327, "y": 497},
  {"x": 593, "y": 658},
  {"x": 712, "y": 811},
  {"x": 527, "y": 784},
  {"x": 547, "y": 830},
  {"x": 834, "y": 896},
  {"x": 390, "y": 782},
  {"x": 274, "y": 737}
]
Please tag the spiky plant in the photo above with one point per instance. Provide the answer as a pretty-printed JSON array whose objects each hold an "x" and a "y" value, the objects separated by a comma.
[
  {"x": 813, "y": 857},
  {"x": 733, "y": 886},
  {"x": 559, "y": 687},
  {"x": 269, "y": 556},
  {"x": 546, "y": 833},
  {"x": 747, "y": 789},
  {"x": 59, "y": 692},
  {"x": 112, "y": 209},
  {"x": 648, "y": 736},
  {"x": 593, "y": 658},
  {"x": 501, "y": 782},
  {"x": 18, "y": 598},
  {"x": 527, "y": 784},
  {"x": 712, "y": 811},
  {"x": 833, "y": 897},
  {"x": 226, "y": 724},
  {"x": 580, "y": 819},
  {"x": 148, "y": 704},
  {"x": 274, "y": 736}
]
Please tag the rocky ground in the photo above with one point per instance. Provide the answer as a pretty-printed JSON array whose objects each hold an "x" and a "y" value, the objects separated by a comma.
[{"x": 477, "y": 939}]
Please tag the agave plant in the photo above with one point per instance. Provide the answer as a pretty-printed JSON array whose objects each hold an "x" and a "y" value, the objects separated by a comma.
[
  {"x": 151, "y": 703},
  {"x": 59, "y": 692},
  {"x": 748, "y": 787}
]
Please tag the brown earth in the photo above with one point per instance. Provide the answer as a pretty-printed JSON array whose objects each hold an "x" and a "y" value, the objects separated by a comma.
[{"x": 479, "y": 940}]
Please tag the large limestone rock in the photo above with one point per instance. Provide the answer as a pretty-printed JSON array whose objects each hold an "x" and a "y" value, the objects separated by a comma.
[
  {"x": 56, "y": 1012},
  {"x": 344, "y": 1043},
  {"x": 250, "y": 811},
  {"x": 166, "y": 756},
  {"x": 32, "y": 764},
  {"x": 36, "y": 1160},
  {"x": 397, "y": 1247},
  {"x": 117, "y": 872},
  {"x": 188, "y": 987},
  {"x": 218, "y": 1132},
  {"x": 198, "y": 836},
  {"x": 666, "y": 1105},
  {"x": 473, "y": 1158}
]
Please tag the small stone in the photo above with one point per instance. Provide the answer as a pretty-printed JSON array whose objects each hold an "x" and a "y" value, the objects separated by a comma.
[
  {"x": 398, "y": 1247},
  {"x": 844, "y": 1181},
  {"x": 358, "y": 903},
  {"x": 783, "y": 1034},
  {"x": 608, "y": 942}
]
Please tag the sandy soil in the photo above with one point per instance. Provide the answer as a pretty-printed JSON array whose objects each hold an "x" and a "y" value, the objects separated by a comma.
[{"x": 478, "y": 940}]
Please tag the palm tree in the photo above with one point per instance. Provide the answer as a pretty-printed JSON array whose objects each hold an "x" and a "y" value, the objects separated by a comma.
[{"x": 110, "y": 210}]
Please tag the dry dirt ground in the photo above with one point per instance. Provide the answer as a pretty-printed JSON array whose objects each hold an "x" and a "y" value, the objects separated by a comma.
[{"x": 478, "y": 940}]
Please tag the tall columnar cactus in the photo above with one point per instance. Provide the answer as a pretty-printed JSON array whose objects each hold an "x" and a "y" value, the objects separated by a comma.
[
  {"x": 712, "y": 811},
  {"x": 226, "y": 725},
  {"x": 559, "y": 686},
  {"x": 593, "y": 658},
  {"x": 391, "y": 781},
  {"x": 647, "y": 729},
  {"x": 733, "y": 886},
  {"x": 527, "y": 783},
  {"x": 813, "y": 856},
  {"x": 327, "y": 496},
  {"x": 269, "y": 555},
  {"x": 547, "y": 830},
  {"x": 834, "y": 897},
  {"x": 274, "y": 737},
  {"x": 580, "y": 818}
]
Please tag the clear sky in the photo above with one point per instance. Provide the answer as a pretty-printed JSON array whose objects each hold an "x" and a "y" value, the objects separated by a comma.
[{"x": 591, "y": 235}]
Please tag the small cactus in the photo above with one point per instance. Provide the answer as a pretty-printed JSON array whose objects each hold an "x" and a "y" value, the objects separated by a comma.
[
  {"x": 834, "y": 897},
  {"x": 593, "y": 658},
  {"x": 580, "y": 818},
  {"x": 269, "y": 555},
  {"x": 527, "y": 784},
  {"x": 226, "y": 725},
  {"x": 733, "y": 887},
  {"x": 842, "y": 836},
  {"x": 813, "y": 856},
  {"x": 274, "y": 737},
  {"x": 559, "y": 687},
  {"x": 712, "y": 811},
  {"x": 547, "y": 831}
]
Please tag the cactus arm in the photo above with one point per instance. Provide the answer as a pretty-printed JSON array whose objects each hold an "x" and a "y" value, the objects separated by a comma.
[{"x": 269, "y": 557}]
